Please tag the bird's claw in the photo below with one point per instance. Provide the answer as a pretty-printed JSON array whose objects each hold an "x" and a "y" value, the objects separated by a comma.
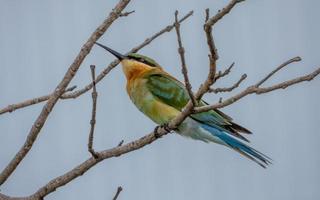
[{"x": 165, "y": 126}]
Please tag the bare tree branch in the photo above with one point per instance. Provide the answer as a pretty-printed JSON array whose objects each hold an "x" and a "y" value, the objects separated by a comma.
[
  {"x": 117, "y": 193},
  {"x": 106, "y": 71},
  {"x": 94, "y": 95},
  {"x": 229, "y": 89},
  {"x": 222, "y": 13},
  {"x": 89, "y": 163},
  {"x": 257, "y": 90},
  {"x": 54, "y": 97},
  {"x": 183, "y": 61},
  {"x": 295, "y": 59},
  {"x": 224, "y": 73}
]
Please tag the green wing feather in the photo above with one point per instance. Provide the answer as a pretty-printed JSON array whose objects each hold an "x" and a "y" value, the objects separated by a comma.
[{"x": 172, "y": 92}]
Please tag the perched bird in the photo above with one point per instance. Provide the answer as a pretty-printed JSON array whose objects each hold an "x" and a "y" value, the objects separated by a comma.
[{"x": 162, "y": 97}]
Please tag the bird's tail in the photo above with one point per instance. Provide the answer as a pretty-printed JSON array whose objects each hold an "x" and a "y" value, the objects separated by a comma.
[{"x": 240, "y": 147}]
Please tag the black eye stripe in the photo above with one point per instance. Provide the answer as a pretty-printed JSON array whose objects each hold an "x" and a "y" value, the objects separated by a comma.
[{"x": 140, "y": 59}]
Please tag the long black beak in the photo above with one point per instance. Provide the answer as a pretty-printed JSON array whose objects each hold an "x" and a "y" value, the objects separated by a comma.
[{"x": 113, "y": 52}]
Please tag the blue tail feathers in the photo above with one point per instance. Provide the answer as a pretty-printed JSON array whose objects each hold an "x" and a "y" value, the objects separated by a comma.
[{"x": 240, "y": 147}]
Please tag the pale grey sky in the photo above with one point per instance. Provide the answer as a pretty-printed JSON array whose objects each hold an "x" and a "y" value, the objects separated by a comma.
[{"x": 39, "y": 40}]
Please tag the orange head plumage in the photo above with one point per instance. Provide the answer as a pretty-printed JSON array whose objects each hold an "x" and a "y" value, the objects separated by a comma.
[{"x": 133, "y": 64}]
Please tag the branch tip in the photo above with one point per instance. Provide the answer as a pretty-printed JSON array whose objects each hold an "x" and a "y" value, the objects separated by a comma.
[
  {"x": 119, "y": 189},
  {"x": 125, "y": 14}
]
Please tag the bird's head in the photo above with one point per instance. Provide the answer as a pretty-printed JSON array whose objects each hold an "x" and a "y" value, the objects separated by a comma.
[{"x": 132, "y": 62}]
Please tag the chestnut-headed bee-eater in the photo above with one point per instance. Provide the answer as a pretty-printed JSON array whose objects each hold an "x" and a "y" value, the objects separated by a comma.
[{"x": 162, "y": 97}]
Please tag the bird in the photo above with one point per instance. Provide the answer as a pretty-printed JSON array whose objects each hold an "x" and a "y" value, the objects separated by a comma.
[{"x": 162, "y": 97}]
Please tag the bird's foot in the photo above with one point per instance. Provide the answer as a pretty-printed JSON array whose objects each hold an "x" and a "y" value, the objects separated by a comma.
[{"x": 165, "y": 126}]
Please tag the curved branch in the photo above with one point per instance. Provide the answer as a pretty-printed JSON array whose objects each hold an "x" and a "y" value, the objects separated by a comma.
[
  {"x": 221, "y": 13},
  {"x": 295, "y": 59}
]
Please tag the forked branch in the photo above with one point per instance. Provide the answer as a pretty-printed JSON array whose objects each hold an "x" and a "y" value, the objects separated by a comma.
[{"x": 256, "y": 89}]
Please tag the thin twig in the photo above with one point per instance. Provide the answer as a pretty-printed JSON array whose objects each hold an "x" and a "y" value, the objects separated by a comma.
[
  {"x": 295, "y": 59},
  {"x": 60, "y": 89},
  {"x": 229, "y": 89},
  {"x": 88, "y": 87},
  {"x": 224, "y": 73},
  {"x": 207, "y": 11},
  {"x": 120, "y": 143},
  {"x": 70, "y": 89},
  {"x": 184, "y": 69},
  {"x": 94, "y": 95},
  {"x": 117, "y": 193},
  {"x": 13, "y": 107},
  {"x": 125, "y": 14}
]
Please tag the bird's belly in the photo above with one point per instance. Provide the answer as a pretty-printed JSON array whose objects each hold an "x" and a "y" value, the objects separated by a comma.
[
  {"x": 148, "y": 104},
  {"x": 192, "y": 129}
]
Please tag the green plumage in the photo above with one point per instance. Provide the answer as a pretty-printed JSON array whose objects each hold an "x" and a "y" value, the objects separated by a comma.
[{"x": 172, "y": 92}]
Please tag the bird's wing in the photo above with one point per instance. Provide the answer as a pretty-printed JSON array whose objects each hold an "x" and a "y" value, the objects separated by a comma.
[{"x": 172, "y": 92}]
